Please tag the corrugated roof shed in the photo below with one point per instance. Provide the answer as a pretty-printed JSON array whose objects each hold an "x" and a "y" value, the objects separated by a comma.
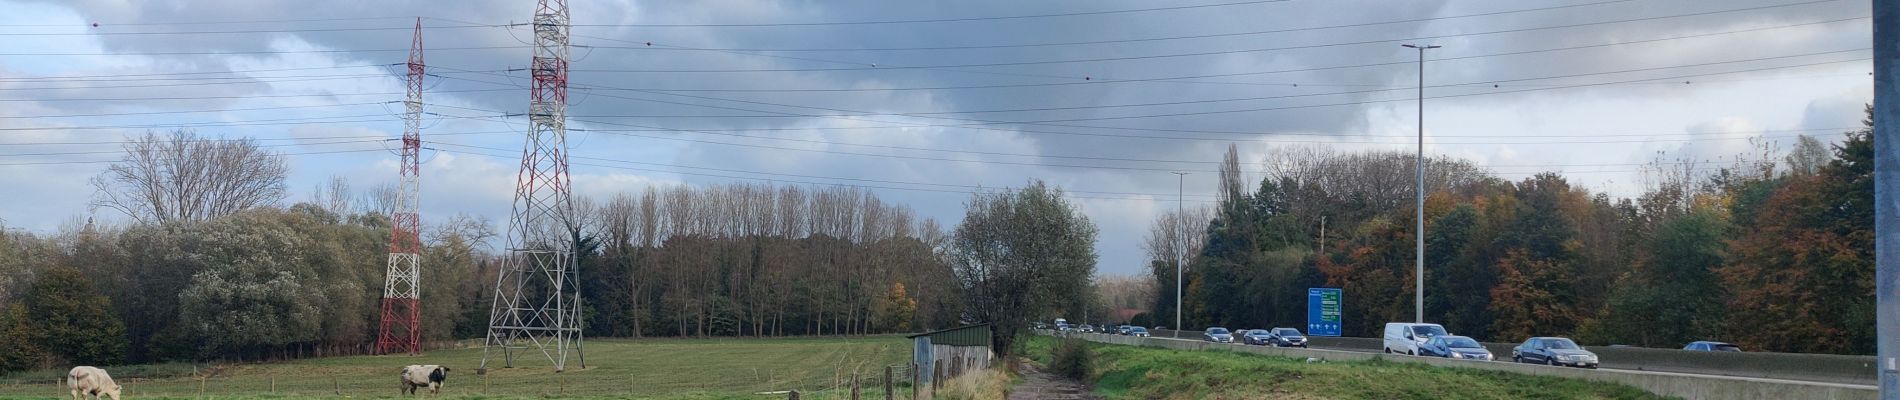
[{"x": 970, "y": 335}]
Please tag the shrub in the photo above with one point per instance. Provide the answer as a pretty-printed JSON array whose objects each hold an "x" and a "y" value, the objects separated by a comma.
[{"x": 1072, "y": 358}]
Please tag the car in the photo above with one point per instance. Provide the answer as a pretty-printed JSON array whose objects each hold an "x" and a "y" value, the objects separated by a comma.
[
  {"x": 1459, "y": 347},
  {"x": 1711, "y": 346},
  {"x": 1286, "y": 337},
  {"x": 1123, "y": 330},
  {"x": 1405, "y": 337},
  {"x": 1138, "y": 332},
  {"x": 1086, "y": 328},
  {"x": 1553, "y": 351},
  {"x": 1255, "y": 336},
  {"x": 1063, "y": 326},
  {"x": 1217, "y": 335}
]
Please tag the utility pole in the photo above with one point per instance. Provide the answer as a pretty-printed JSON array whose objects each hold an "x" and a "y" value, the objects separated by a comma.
[
  {"x": 1418, "y": 303},
  {"x": 401, "y": 328},
  {"x": 1180, "y": 249},
  {"x": 1886, "y": 185}
]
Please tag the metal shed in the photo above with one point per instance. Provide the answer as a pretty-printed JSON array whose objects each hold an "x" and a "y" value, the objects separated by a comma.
[{"x": 941, "y": 355}]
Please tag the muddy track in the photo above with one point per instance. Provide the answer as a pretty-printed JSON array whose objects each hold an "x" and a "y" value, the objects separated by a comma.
[{"x": 1042, "y": 385}]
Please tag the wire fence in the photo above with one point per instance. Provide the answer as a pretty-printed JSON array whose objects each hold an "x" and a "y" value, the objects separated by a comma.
[{"x": 870, "y": 381}]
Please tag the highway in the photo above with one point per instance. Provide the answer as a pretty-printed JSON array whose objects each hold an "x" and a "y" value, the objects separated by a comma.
[
  {"x": 1747, "y": 376},
  {"x": 1857, "y": 371}
]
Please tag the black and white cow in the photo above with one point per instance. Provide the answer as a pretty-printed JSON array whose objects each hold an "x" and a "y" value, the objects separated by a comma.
[{"x": 417, "y": 376}]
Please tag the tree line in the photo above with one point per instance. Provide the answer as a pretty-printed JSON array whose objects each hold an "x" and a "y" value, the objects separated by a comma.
[
  {"x": 212, "y": 272},
  {"x": 1773, "y": 251}
]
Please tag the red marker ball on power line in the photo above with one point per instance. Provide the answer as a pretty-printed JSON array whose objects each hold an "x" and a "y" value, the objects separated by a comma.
[
  {"x": 1086, "y": 78},
  {"x": 95, "y": 24}
]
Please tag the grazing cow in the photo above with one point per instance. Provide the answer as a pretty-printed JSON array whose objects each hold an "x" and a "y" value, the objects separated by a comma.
[
  {"x": 91, "y": 382},
  {"x": 416, "y": 376}
]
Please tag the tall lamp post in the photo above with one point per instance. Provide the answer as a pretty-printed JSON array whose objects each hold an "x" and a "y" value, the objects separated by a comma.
[
  {"x": 1180, "y": 249},
  {"x": 1418, "y": 303},
  {"x": 1886, "y": 209}
]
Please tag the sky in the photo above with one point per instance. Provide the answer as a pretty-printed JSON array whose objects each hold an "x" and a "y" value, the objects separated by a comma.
[{"x": 923, "y": 102}]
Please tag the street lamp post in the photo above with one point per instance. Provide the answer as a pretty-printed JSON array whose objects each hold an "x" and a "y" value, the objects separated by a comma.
[
  {"x": 1418, "y": 302},
  {"x": 1180, "y": 248}
]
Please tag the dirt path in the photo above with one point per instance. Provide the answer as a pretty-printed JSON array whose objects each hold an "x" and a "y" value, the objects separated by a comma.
[{"x": 1042, "y": 385}]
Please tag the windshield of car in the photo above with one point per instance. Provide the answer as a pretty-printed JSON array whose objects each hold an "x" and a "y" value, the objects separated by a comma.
[
  {"x": 1727, "y": 347},
  {"x": 1286, "y": 332},
  {"x": 1560, "y": 344},
  {"x": 1426, "y": 331},
  {"x": 1138, "y": 329},
  {"x": 1462, "y": 343},
  {"x": 1257, "y": 332},
  {"x": 1217, "y": 331}
]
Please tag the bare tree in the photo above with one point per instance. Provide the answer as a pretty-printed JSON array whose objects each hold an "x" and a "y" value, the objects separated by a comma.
[
  {"x": 334, "y": 195},
  {"x": 649, "y": 217},
  {"x": 182, "y": 177},
  {"x": 1175, "y": 236},
  {"x": 1808, "y": 155},
  {"x": 380, "y": 199}
]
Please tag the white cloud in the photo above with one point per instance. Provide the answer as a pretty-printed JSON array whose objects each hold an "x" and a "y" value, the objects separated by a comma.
[{"x": 477, "y": 73}]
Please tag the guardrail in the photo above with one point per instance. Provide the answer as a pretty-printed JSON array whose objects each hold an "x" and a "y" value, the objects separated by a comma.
[
  {"x": 1853, "y": 370},
  {"x": 1685, "y": 385}
]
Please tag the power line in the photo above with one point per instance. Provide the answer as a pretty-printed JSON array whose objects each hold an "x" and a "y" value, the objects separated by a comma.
[
  {"x": 232, "y": 22},
  {"x": 1164, "y": 38},
  {"x": 968, "y": 188},
  {"x": 192, "y": 111},
  {"x": 226, "y": 32},
  {"x": 933, "y": 20},
  {"x": 895, "y": 156},
  {"x": 245, "y": 52},
  {"x": 264, "y": 139},
  {"x": 74, "y": 153},
  {"x": 112, "y": 161},
  {"x": 248, "y": 81},
  {"x": 248, "y": 96},
  {"x": 1256, "y": 98},
  {"x": 980, "y": 122},
  {"x": 1081, "y": 80},
  {"x": 62, "y": 77},
  {"x": 274, "y": 121},
  {"x": 879, "y": 66}
]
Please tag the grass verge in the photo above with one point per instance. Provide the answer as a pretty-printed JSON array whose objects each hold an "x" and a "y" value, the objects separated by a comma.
[
  {"x": 1129, "y": 372},
  {"x": 619, "y": 369}
]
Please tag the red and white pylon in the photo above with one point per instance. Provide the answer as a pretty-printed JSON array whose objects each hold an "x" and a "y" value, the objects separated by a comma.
[{"x": 401, "y": 329}]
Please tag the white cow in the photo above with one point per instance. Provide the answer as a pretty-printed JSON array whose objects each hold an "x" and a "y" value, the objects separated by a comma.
[
  {"x": 416, "y": 376},
  {"x": 89, "y": 381}
]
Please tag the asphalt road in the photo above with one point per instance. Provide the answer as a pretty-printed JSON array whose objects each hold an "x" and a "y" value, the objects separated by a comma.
[{"x": 1371, "y": 345}]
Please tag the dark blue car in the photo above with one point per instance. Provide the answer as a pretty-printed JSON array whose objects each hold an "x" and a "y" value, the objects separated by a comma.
[{"x": 1458, "y": 347}]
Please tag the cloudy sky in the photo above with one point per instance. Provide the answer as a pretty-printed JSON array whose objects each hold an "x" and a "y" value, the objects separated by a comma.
[{"x": 922, "y": 101}]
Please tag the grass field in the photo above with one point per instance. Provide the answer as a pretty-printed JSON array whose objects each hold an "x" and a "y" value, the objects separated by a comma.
[
  {"x": 1128, "y": 372},
  {"x": 649, "y": 368}
]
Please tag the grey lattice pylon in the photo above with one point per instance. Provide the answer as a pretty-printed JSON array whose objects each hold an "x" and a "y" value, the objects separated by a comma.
[{"x": 537, "y": 302}]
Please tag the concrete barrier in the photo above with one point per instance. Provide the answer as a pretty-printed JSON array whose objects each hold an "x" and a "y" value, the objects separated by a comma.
[
  {"x": 1853, "y": 370},
  {"x": 1685, "y": 385}
]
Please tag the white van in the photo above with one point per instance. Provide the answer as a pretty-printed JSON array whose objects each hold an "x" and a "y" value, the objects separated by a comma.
[{"x": 1405, "y": 337}]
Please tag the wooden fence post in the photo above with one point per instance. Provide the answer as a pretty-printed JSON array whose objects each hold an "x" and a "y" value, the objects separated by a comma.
[
  {"x": 854, "y": 385},
  {"x": 888, "y": 383}
]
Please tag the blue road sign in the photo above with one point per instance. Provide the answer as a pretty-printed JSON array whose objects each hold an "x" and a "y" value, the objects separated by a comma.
[{"x": 1322, "y": 311}]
